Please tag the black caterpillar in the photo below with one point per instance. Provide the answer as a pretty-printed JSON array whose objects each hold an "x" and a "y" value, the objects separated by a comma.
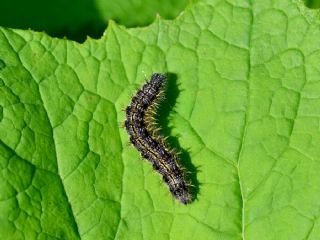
[{"x": 142, "y": 129}]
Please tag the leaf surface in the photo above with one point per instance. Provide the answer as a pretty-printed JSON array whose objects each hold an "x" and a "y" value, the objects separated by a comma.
[{"x": 243, "y": 106}]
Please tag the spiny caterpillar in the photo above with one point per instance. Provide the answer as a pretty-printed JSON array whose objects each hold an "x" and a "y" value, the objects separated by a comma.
[{"x": 141, "y": 127}]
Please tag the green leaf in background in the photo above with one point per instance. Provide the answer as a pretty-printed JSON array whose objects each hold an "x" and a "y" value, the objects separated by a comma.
[
  {"x": 244, "y": 106},
  {"x": 76, "y": 19},
  {"x": 313, "y": 4}
]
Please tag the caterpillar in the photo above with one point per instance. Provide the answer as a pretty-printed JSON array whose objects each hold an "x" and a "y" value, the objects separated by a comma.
[{"x": 144, "y": 135}]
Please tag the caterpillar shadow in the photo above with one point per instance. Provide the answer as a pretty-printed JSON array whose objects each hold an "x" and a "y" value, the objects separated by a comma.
[{"x": 163, "y": 114}]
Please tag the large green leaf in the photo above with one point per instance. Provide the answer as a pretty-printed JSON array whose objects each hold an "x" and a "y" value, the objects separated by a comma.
[{"x": 243, "y": 104}]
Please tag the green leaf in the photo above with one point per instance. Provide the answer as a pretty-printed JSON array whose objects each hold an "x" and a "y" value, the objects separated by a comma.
[{"x": 243, "y": 105}]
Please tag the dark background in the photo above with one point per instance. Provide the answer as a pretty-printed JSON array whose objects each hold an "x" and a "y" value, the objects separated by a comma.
[{"x": 75, "y": 19}]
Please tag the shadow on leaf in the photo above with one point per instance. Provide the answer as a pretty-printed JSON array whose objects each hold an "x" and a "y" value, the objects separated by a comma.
[{"x": 163, "y": 114}]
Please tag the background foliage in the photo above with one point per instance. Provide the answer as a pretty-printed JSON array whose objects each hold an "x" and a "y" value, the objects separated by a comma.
[{"x": 76, "y": 19}]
